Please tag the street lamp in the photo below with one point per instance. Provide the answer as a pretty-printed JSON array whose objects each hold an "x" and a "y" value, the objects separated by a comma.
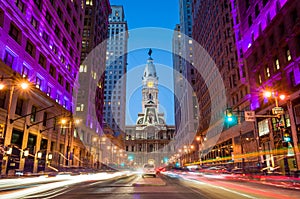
[
  {"x": 70, "y": 125},
  {"x": 22, "y": 84}
]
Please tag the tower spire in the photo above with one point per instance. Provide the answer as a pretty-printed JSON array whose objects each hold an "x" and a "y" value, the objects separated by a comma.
[{"x": 150, "y": 52}]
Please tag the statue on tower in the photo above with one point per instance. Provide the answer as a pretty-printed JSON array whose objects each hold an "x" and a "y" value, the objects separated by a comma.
[{"x": 150, "y": 52}]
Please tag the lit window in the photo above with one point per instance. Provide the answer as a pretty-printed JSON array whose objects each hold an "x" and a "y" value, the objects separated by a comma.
[
  {"x": 81, "y": 107},
  {"x": 38, "y": 82},
  {"x": 190, "y": 41},
  {"x": 277, "y": 65},
  {"x": 268, "y": 72},
  {"x": 89, "y": 2},
  {"x": 25, "y": 71},
  {"x": 288, "y": 55},
  {"x": 48, "y": 91}
]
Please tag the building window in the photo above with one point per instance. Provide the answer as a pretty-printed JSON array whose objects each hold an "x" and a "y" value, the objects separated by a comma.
[
  {"x": 48, "y": 18},
  {"x": 54, "y": 49},
  {"x": 20, "y": 5},
  {"x": 38, "y": 82},
  {"x": 33, "y": 114},
  {"x": 45, "y": 117},
  {"x": 257, "y": 10},
  {"x": 19, "y": 106},
  {"x": 42, "y": 60},
  {"x": 68, "y": 86},
  {"x": 276, "y": 62},
  {"x": 48, "y": 91},
  {"x": 89, "y": 2},
  {"x": 64, "y": 42},
  {"x": 247, "y": 4},
  {"x": 38, "y": 3},
  {"x": 292, "y": 79},
  {"x": 30, "y": 48},
  {"x": 72, "y": 36},
  {"x": 34, "y": 22},
  {"x": 60, "y": 79},
  {"x": 8, "y": 59},
  {"x": 267, "y": 72},
  {"x": 25, "y": 72},
  {"x": 57, "y": 98},
  {"x": 80, "y": 107},
  {"x": 15, "y": 32},
  {"x": 288, "y": 54},
  {"x": 59, "y": 13},
  {"x": 265, "y": 2},
  {"x": 1, "y": 17},
  {"x": 52, "y": 71},
  {"x": 250, "y": 20},
  {"x": 69, "y": 10},
  {"x": 259, "y": 81},
  {"x": 46, "y": 37},
  {"x": 67, "y": 26},
  {"x": 2, "y": 98},
  {"x": 57, "y": 31}
]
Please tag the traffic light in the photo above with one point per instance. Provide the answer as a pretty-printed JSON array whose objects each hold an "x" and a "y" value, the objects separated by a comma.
[
  {"x": 287, "y": 136},
  {"x": 229, "y": 115},
  {"x": 230, "y": 118}
]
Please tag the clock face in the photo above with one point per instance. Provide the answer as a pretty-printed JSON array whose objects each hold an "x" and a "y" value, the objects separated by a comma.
[{"x": 150, "y": 84}]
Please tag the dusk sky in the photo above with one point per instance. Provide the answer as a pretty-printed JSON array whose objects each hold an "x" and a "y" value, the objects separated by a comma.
[{"x": 145, "y": 14}]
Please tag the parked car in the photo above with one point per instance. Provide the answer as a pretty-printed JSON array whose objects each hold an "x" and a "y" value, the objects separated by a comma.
[{"x": 149, "y": 169}]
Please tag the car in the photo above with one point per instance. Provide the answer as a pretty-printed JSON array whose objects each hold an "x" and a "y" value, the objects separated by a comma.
[
  {"x": 149, "y": 169},
  {"x": 160, "y": 169}
]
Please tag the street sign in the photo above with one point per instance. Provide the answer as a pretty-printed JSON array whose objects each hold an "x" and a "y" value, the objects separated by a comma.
[
  {"x": 250, "y": 116},
  {"x": 277, "y": 110}
]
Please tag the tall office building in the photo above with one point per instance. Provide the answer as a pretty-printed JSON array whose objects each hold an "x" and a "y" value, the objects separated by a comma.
[
  {"x": 214, "y": 31},
  {"x": 116, "y": 67},
  {"x": 186, "y": 104},
  {"x": 40, "y": 41},
  {"x": 90, "y": 98}
]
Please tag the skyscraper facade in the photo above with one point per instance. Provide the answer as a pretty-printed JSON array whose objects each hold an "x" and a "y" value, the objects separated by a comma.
[
  {"x": 116, "y": 68},
  {"x": 90, "y": 97},
  {"x": 186, "y": 104},
  {"x": 40, "y": 42},
  {"x": 213, "y": 29}
]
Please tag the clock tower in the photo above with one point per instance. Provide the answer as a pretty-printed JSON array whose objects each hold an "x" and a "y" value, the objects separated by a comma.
[{"x": 150, "y": 138}]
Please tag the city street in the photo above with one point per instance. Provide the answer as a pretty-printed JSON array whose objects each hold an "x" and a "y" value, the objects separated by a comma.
[{"x": 132, "y": 185}]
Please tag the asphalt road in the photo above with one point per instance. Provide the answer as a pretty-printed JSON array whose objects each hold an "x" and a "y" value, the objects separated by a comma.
[{"x": 164, "y": 187}]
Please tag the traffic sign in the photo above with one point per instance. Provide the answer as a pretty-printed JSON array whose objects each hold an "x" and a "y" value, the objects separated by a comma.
[
  {"x": 249, "y": 116},
  {"x": 277, "y": 110}
]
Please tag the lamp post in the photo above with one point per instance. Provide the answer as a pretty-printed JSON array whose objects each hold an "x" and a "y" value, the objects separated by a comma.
[
  {"x": 24, "y": 85},
  {"x": 70, "y": 125},
  {"x": 276, "y": 95},
  {"x": 14, "y": 83}
]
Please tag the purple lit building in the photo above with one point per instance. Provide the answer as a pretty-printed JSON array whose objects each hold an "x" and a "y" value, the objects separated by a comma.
[
  {"x": 40, "y": 41},
  {"x": 269, "y": 43}
]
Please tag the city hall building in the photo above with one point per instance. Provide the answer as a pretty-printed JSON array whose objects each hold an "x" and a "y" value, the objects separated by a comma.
[{"x": 150, "y": 139}]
